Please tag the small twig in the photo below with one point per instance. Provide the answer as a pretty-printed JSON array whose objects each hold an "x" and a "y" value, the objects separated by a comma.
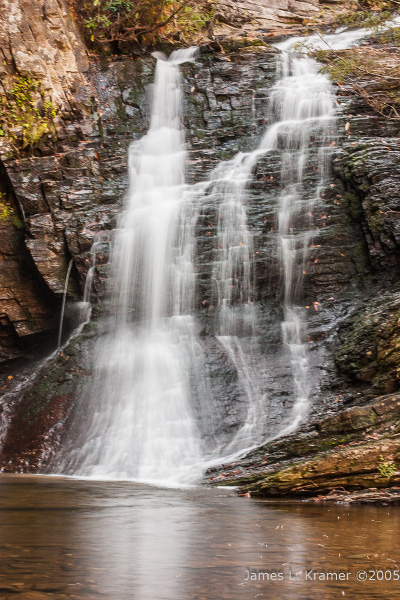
[{"x": 377, "y": 106}]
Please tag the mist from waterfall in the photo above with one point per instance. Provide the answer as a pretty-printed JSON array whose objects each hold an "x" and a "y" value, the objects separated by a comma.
[{"x": 149, "y": 412}]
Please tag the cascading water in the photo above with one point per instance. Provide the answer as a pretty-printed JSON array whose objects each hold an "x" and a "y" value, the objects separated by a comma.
[
  {"x": 233, "y": 276},
  {"x": 302, "y": 108},
  {"x": 149, "y": 410},
  {"x": 142, "y": 424},
  {"x": 60, "y": 329}
]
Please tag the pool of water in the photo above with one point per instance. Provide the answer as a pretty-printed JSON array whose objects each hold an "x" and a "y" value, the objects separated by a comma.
[{"x": 65, "y": 538}]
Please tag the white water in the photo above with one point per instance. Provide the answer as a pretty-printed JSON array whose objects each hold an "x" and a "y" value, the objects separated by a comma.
[
  {"x": 145, "y": 412},
  {"x": 233, "y": 277},
  {"x": 141, "y": 423},
  {"x": 60, "y": 329},
  {"x": 302, "y": 105}
]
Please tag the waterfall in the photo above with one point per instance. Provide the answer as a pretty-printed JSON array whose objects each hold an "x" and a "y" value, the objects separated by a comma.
[
  {"x": 302, "y": 111},
  {"x": 301, "y": 108},
  {"x": 141, "y": 420},
  {"x": 149, "y": 412},
  {"x": 233, "y": 277}
]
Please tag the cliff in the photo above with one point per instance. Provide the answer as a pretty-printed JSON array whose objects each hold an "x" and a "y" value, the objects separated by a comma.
[{"x": 68, "y": 119}]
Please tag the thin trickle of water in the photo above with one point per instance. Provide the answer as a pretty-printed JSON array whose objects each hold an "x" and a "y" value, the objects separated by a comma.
[
  {"x": 91, "y": 272},
  {"x": 60, "y": 329},
  {"x": 11, "y": 399},
  {"x": 233, "y": 277}
]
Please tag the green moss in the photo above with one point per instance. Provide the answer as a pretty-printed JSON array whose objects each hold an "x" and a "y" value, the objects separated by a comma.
[
  {"x": 376, "y": 223},
  {"x": 386, "y": 468},
  {"x": 7, "y": 213},
  {"x": 354, "y": 205},
  {"x": 27, "y": 115},
  {"x": 200, "y": 134},
  {"x": 18, "y": 224},
  {"x": 226, "y": 154},
  {"x": 120, "y": 109}
]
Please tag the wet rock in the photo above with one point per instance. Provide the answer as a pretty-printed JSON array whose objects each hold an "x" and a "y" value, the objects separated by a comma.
[
  {"x": 40, "y": 412},
  {"x": 369, "y": 344},
  {"x": 355, "y": 449},
  {"x": 371, "y": 168},
  {"x": 26, "y": 306},
  {"x": 369, "y": 496},
  {"x": 373, "y": 464},
  {"x": 47, "y": 249}
]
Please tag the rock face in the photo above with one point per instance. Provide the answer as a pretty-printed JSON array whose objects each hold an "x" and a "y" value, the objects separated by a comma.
[
  {"x": 373, "y": 464},
  {"x": 372, "y": 170},
  {"x": 369, "y": 344},
  {"x": 357, "y": 448},
  {"x": 65, "y": 190},
  {"x": 250, "y": 16},
  {"x": 40, "y": 40},
  {"x": 40, "y": 46},
  {"x": 25, "y": 302}
]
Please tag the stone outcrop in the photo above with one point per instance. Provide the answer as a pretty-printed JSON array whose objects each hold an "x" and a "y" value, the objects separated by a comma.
[
  {"x": 368, "y": 346},
  {"x": 41, "y": 53},
  {"x": 352, "y": 468},
  {"x": 355, "y": 449},
  {"x": 38, "y": 39},
  {"x": 252, "y": 16},
  {"x": 372, "y": 170}
]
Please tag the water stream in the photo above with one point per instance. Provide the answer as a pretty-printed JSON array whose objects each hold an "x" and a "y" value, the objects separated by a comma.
[{"x": 60, "y": 329}]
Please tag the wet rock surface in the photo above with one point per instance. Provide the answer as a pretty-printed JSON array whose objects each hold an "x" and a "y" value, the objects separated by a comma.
[
  {"x": 355, "y": 449},
  {"x": 38, "y": 404},
  {"x": 351, "y": 468}
]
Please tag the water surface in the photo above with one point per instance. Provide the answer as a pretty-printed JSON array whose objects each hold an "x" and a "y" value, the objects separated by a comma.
[{"x": 66, "y": 538}]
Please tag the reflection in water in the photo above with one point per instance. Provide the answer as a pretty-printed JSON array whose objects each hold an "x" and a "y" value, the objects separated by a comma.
[{"x": 76, "y": 539}]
